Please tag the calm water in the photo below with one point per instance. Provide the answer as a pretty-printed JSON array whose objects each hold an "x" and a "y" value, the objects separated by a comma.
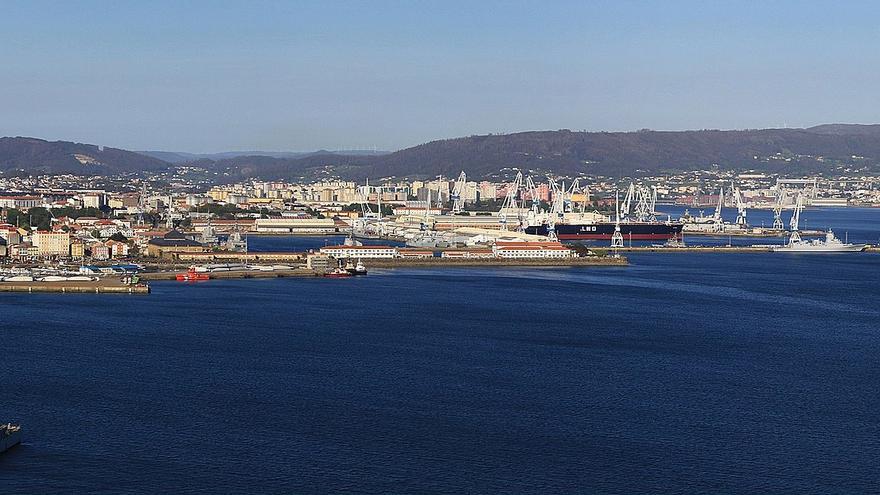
[{"x": 752, "y": 373}]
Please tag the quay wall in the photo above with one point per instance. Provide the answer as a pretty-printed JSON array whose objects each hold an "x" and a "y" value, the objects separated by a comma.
[{"x": 99, "y": 287}]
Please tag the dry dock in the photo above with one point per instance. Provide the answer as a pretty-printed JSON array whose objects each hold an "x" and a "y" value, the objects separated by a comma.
[{"x": 76, "y": 287}]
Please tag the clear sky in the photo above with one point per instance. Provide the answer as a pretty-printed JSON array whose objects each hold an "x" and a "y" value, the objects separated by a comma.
[{"x": 250, "y": 75}]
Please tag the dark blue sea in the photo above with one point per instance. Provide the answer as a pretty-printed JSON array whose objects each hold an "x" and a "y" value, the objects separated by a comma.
[{"x": 682, "y": 373}]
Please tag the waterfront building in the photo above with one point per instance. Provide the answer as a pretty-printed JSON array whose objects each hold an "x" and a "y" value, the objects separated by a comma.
[
  {"x": 476, "y": 253},
  {"x": 414, "y": 253},
  {"x": 318, "y": 262},
  {"x": 172, "y": 242},
  {"x": 520, "y": 250},
  {"x": 346, "y": 252}
]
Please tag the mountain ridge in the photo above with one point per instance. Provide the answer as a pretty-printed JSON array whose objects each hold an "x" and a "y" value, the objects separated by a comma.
[{"x": 564, "y": 152}]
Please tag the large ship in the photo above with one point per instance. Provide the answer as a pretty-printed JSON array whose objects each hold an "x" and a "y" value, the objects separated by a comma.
[
  {"x": 831, "y": 244},
  {"x": 593, "y": 226},
  {"x": 10, "y": 436},
  {"x": 636, "y": 231}
]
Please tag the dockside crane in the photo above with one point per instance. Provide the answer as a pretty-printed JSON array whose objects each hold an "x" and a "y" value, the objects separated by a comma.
[
  {"x": 533, "y": 194},
  {"x": 794, "y": 224},
  {"x": 617, "y": 237},
  {"x": 778, "y": 224},
  {"x": 718, "y": 223},
  {"x": 740, "y": 207},
  {"x": 627, "y": 200},
  {"x": 510, "y": 200},
  {"x": 643, "y": 207},
  {"x": 458, "y": 194}
]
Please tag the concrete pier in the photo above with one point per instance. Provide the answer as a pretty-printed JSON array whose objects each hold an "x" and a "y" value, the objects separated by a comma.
[
  {"x": 172, "y": 275},
  {"x": 495, "y": 262},
  {"x": 76, "y": 287}
]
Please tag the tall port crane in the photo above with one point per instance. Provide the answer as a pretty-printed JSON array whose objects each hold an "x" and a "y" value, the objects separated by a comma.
[
  {"x": 533, "y": 194},
  {"x": 627, "y": 200},
  {"x": 617, "y": 236},
  {"x": 364, "y": 196},
  {"x": 718, "y": 223},
  {"x": 740, "y": 207},
  {"x": 796, "y": 219},
  {"x": 458, "y": 193},
  {"x": 510, "y": 200},
  {"x": 643, "y": 207},
  {"x": 777, "y": 208}
]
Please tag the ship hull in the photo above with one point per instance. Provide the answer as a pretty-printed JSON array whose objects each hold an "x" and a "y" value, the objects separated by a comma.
[
  {"x": 636, "y": 231},
  {"x": 7, "y": 441},
  {"x": 853, "y": 248}
]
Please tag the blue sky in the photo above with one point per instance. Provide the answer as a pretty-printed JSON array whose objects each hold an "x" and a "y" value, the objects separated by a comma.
[{"x": 213, "y": 76}]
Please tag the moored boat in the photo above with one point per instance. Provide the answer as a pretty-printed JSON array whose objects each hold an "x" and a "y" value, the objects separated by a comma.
[
  {"x": 338, "y": 273},
  {"x": 358, "y": 269},
  {"x": 192, "y": 275},
  {"x": 10, "y": 436},
  {"x": 831, "y": 244}
]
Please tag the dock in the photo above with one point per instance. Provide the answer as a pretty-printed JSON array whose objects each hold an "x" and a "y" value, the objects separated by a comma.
[
  {"x": 496, "y": 262},
  {"x": 172, "y": 274},
  {"x": 103, "y": 286},
  {"x": 691, "y": 249}
]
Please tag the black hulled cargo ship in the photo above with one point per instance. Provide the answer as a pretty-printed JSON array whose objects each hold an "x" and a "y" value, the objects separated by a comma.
[{"x": 636, "y": 231}]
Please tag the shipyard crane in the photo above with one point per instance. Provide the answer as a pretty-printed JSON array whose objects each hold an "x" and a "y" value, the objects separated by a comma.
[
  {"x": 642, "y": 210},
  {"x": 557, "y": 208},
  {"x": 778, "y": 224},
  {"x": 795, "y": 219},
  {"x": 627, "y": 200},
  {"x": 510, "y": 200},
  {"x": 740, "y": 208},
  {"x": 458, "y": 194},
  {"x": 364, "y": 193},
  {"x": 717, "y": 221},
  {"x": 568, "y": 200},
  {"x": 617, "y": 237},
  {"x": 533, "y": 194}
]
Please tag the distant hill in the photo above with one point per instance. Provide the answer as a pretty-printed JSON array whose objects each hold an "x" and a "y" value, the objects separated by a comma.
[
  {"x": 788, "y": 151},
  {"x": 38, "y": 156},
  {"x": 183, "y": 157}
]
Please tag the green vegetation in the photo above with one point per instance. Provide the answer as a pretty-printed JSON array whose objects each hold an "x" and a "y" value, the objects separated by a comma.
[
  {"x": 387, "y": 210},
  {"x": 41, "y": 219},
  {"x": 225, "y": 212},
  {"x": 38, "y": 218},
  {"x": 75, "y": 213}
]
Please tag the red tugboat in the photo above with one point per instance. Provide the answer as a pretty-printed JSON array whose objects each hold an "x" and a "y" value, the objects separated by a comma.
[
  {"x": 338, "y": 272},
  {"x": 192, "y": 275}
]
